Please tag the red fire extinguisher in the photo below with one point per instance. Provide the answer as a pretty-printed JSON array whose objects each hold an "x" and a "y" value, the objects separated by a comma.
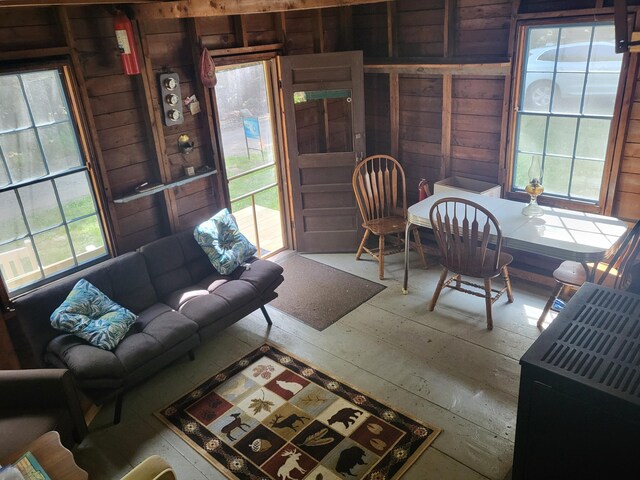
[
  {"x": 423, "y": 190},
  {"x": 126, "y": 43}
]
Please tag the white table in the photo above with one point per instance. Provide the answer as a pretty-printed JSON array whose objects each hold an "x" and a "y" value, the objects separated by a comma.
[{"x": 559, "y": 233}]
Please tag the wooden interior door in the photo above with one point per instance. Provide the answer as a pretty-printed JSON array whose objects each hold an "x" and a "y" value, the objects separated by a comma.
[{"x": 323, "y": 105}]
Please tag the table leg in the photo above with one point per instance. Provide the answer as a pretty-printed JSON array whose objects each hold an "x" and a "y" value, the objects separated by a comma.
[{"x": 407, "y": 232}]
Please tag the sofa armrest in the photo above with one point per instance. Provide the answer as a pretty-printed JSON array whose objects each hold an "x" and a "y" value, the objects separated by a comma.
[{"x": 43, "y": 389}]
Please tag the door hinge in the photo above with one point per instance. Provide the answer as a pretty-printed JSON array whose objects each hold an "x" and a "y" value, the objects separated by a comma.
[{"x": 279, "y": 83}]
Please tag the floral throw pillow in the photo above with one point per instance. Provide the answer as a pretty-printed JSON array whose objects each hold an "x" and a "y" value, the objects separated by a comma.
[
  {"x": 223, "y": 243},
  {"x": 91, "y": 315}
]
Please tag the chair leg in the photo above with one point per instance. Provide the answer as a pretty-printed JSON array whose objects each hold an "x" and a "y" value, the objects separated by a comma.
[
  {"x": 266, "y": 315},
  {"x": 458, "y": 281},
  {"x": 488, "y": 302},
  {"x": 507, "y": 283},
  {"x": 554, "y": 294},
  {"x": 381, "y": 255},
  {"x": 416, "y": 236},
  {"x": 439, "y": 286},
  {"x": 362, "y": 243}
]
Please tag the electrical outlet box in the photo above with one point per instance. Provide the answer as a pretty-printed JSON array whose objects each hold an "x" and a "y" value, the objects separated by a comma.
[{"x": 171, "y": 98}]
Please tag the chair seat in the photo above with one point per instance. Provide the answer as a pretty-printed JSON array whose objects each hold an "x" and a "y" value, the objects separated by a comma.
[
  {"x": 573, "y": 274},
  {"x": 570, "y": 273},
  {"x": 386, "y": 225},
  {"x": 487, "y": 269}
]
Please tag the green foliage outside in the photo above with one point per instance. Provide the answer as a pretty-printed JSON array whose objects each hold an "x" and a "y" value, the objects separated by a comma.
[
  {"x": 254, "y": 181},
  {"x": 53, "y": 245},
  {"x": 590, "y": 144}
]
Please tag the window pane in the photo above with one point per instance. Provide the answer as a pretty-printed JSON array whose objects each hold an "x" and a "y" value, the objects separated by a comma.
[
  {"x": 600, "y": 94},
  {"x": 40, "y": 206},
  {"x": 51, "y": 224},
  {"x": 574, "y": 48},
  {"x": 19, "y": 264},
  {"x": 570, "y": 78},
  {"x": 586, "y": 179},
  {"x": 23, "y": 156},
  {"x": 561, "y": 135},
  {"x": 567, "y": 92},
  {"x": 13, "y": 225},
  {"x": 532, "y": 129},
  {"x": 592, "y": 138},
  {"x": 60, "y": 146},
  {"x": 54, "y": 250},
  {"x": 75, "y": 195},
  {"x": 46, "y": 97},
  {"x": 14, "y": 114},
  {"x": 87, "y": 239},
  {"x": 523, "y": 162},
  {"x": 4, "y": 173},
  {"x": 556, "y": 175},
  {"x": 537, "y": 91}
]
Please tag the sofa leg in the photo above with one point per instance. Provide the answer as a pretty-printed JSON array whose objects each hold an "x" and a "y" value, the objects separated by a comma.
[
  {"x": 192, "y": 355},
  {"x": 266, "y": 315},
  {"x": 117, "y": 414}
]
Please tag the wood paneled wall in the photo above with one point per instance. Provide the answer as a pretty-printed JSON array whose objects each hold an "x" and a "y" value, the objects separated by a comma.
[{"x": 117, "y": 105}]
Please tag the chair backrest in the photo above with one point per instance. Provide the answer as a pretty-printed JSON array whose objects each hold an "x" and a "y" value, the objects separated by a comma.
[
  {"x": 463, "y": 231},
  {"x": 618, "y": 271},
  {"x": 380, "y": 187}
]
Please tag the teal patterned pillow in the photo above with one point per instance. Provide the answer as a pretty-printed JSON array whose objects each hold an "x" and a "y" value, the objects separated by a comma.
[
  {"x": 223, "y": 243},
  {"x": 91, "y": 315}
]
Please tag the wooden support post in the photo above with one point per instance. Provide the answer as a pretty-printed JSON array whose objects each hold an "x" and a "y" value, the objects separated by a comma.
[
  {"x": 392, "y": 36},
  {"x": 346, "y": 29},
  {"x": 240, "y": 29},
  {"x": 449, "y": 28},
  {"x": 281, "y": 30},
  {"x": 318, "y": 32},
  {"x": 212, "y": 127},
  {"x": 91, "y": 145},
  {"x": 394, "y": 114},
  {"x": 153, "y": 119},
  {"x": 620, "y": 127},
  {"x": 447, "y": 100}
]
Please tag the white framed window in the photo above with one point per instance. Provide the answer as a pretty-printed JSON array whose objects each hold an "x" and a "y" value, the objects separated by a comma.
[
  {"x": 49, "y": 219},
  {"x": 568, "y": 85}
]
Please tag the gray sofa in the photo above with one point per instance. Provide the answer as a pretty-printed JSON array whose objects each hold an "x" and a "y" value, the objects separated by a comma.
[{"x": 180, "y": 300}]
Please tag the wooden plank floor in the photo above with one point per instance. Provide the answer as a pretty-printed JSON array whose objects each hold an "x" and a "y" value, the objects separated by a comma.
[
  {"x": 443, "y": 367},
  {"x": 269, "y": 227}
]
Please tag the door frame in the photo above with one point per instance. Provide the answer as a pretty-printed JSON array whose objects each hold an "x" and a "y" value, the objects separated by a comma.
[{"x": 273, "y": 98}]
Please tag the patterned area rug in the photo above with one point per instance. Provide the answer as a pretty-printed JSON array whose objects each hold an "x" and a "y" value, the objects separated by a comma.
[{"x": 272, "y": 416}]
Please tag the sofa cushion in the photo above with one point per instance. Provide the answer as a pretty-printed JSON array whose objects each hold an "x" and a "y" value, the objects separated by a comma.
[
  {"x": 156, "y": 329},
  {"x": 111, "y": 277},
  {"x": 91, "y": 315},
  {"x": 222, "y": 241},
  {"x": 195, "y": 259},
  {"x": 178, "y": 298},
  {"x": 166, "y": 264}
]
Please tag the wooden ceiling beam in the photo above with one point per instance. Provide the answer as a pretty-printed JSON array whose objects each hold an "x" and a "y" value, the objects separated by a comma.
[
  {"x": 211, "y": 8},
  {"x": 62, "y": 3}
]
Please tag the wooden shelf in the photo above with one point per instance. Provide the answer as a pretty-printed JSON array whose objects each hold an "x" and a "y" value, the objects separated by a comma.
[
  {"x": 162, "y": 187},
  {"x": 439, "y": 65}
]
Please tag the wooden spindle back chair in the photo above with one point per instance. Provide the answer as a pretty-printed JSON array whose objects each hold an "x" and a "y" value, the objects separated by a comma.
[
  {"x": 380, "y": 186},
  {"x": 464, "y": 232},
  {"x": 614, "y": 271}
]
